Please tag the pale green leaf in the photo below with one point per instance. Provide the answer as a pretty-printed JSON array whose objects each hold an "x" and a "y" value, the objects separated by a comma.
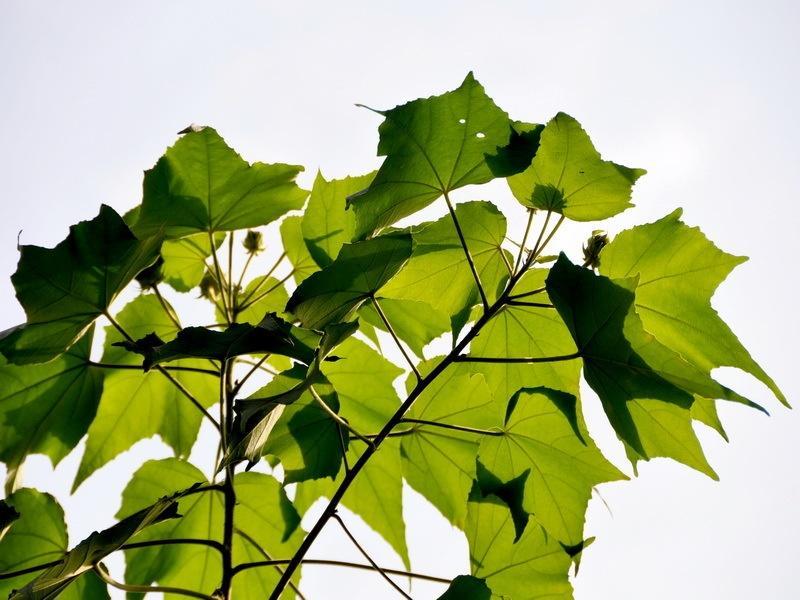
[
  {"x": 185, "y": 260},
  {"x": 303, "y": 264}
]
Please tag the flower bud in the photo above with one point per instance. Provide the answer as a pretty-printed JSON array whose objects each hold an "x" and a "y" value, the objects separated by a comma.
[
  {"x": 253, "y": 242},
  {"x": 591, "y": 250},
  {"x": 208, "y": 287},
  {"x": 151, "y": 276}
]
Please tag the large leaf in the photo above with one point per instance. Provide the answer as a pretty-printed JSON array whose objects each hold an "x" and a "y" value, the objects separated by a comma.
[
  {"x": 467, "y": 587},
  {"x": 679, "y": 269},
  {"x": 64, "y": 289},
  {"x": 568, "y": 176},
  {"x": 646, "y": 389},
  {"x": 81, "y": 559},
  {"x": 432, "y": 146},
  {"x": 416, "y": 323},
  {"x": 39, "y": 536},
  {"x": 440, "y": 463},
  {"x": 136, "y": 405},
  {"x": 527, "y": 331},
  {"x": 263, "y": 514},
  {"x": 47, "y": 408},
  {"x": 201, "y": 185},
  {"x": 261, "y": 296},
  {"x": 438, "y": 273},
  {"x": 532, "y": 568},
  {"x": 185, "y": 260},
  {"x": 360, "y": 270},
  {"x": 542, "y": 435},
  {"x": 326, "y": 225}
]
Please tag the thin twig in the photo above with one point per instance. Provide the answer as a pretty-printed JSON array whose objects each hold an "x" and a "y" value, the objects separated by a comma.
[
  {"x": 102, "y": 572},
  {"x": 249, "y": 303},
  {"x": 336, "y": 417},
  {"x": 369, "y": 558},
  {"x": 530, "y": 304},
  {"x": 263, "y": 279},
  {"x": 339, "y": 563},
  {"x": 167, "y": 308},
  {"x": 33, "y": 569},
  {"x": 100, "y": 365},
  {"x": 541, "y": 235},
  {"x": 452, "y": 426},
  {"x": 527, "y": 294},
  {"x": 166, "y": 374},
  {"x": 220, "y": 281},
  {"x": 237, "y": 388},
  {"x": 471, "y": 263},
  {"x": 531, "y": 212},
  {"x": 264, "y": 553},
  {"x": 394, "y": 335},
  {"x": 174, "y": 541}
]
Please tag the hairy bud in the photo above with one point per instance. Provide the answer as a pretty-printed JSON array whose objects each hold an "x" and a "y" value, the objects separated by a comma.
[
  {"x": 151, "y": 276},
  {"x": 208, "y": 287},
  {"x": 591, "y": 250},
  {"x": 253, "y": 242}
]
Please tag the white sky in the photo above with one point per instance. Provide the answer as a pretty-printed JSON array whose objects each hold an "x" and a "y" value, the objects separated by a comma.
[{"x": 703, "y": 96}]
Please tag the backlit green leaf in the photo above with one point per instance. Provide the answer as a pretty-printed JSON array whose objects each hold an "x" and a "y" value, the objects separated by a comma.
[
  {"x": 568, "y": 176},
  {"x": 416, "y": 323},
  {"x": 46, "y": 409},
  {"x": 303, "y": 264},
  {"x": 542, "y": 434},
  {"x": 64, "y": 289},
  {"x": 467, "y": 587},
  {"x": 360, "y": 270},
  {"x": 326, "y": 225},
  {"x": 679, "y": 269},
  {"x": 432, "y": 146},
  {"x": 201, "y": 184},
  {"x": 185, "y": 260}
]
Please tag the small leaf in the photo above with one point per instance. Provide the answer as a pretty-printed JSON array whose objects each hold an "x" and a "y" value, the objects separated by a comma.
[
  {"x": 202, "y": 185},
  {"x": 467, "y": 587},
  {"x": 568, "y": 176},
  {"x": 326, "y": 225},
  {"x": 64, "y": 289},
  {"x": 432, "y": 146},
  {"x": 303, "y": 264},
  {"x": 360, "y": 270},
  {"x": 185, "y": 260},
  {"x": 263, "y": 295}
]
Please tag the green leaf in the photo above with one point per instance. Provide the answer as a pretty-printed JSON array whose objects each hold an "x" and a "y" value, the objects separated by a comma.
[
  {"x": 40, "y": 536},
  {"x": 64, "y": 289},
  {"x": 201, "y": 185},
  {"x": 326, "y": 225},
  {"x": 467, "y": 587},
  {"x": 181, "y": 565},
  {"x": 440, "y": 463},
  {"x": 432, "y": 146},
  {"x": 679, "y": 269},
  {"x": 136, "y": 405},
  {"x": 527, "y": 331},
  {"x": 46, "y": 409},
  {"x": 271, "y": 335},
  {"x": 705, "y": 411},
  {"x": 416, "y": 323},
  {"x": 8, "y": 515},
  {"x": 376, "y": 495},
  {"x": 305, "y": 438},
  {"x": 185, "y": 260},
  {"x": 363, "y": 381},
  {"x": 81, "y": 559},
  {"x": 532, "y": 568},
  {"x": 568, "y": 176},
  {"x": 438, "y": 273},
  {"x": 264, "y": 295},
  {"x": 542, "y": 434},
  {"x": 517, "y": 155},
  {"x": 646, "y": 389},
  {"x": 360, "y": 270},
  {"x": 297, "y": 252}
]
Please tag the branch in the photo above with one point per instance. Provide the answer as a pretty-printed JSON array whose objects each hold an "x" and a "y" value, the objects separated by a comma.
[
  {"x": 531, "y": 212},
  {"x": 166, "y": 374},
  {"x": 139, "y": 368},
  {"x": 341, "y": 563},
  {"x": 460, "y": 233},
  {"x": 102, "y": 572},
  {"x": 515, "y": 359},
  {"x": 199, "y": 542},
  {"x": 527, "y": 294},
  {"x": 530, "y": 304},
  {"x": 246, "y": 304},
  {"x": 369, "y": 558},
  {"x": 264, "y": 279},
  {"x": 391, "y": 331},
  {"x": 256, "y": 366},
  {"x": 220, "y": 281},
  {"x": 451, "y": 426},
  {"x": 33, "y": 569},
  {"x": 264, "y": 553},
  {"x": 167, "y": 308}
]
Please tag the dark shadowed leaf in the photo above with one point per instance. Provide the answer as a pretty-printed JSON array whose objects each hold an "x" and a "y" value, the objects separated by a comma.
[
  {"x": 467, "y": 587},
  {"x": 64, "y": 289}
]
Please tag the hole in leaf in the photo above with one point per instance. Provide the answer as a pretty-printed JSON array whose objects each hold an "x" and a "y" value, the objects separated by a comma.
[
  {"x": 480, "y": 135},
  {"x": 462, "y": 121}
]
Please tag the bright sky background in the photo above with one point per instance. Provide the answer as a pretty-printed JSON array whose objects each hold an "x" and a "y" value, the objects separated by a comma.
[{"x": 703, "y": 95}]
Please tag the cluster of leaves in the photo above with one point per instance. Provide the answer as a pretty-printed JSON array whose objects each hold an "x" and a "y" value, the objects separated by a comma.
[{"x": 491, "y": 433}]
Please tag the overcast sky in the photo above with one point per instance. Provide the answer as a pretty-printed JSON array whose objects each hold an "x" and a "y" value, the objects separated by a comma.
[{"x": 702, "y": 94}]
